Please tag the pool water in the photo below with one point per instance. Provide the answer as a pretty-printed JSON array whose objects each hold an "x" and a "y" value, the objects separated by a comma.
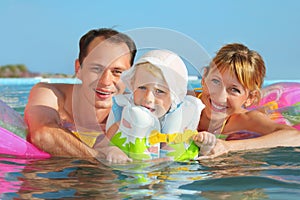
[
  {"x": 264, "y": 174},
  {"x": 259, "y": 174}
]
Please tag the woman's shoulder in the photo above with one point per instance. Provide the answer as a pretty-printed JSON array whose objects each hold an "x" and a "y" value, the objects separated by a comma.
[
  {"x": 248, "y": 115},
  {"x": 244, "y": 120}
]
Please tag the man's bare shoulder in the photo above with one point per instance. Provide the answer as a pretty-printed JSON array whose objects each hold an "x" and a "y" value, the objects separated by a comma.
[
  {"x": 55, "y": 87},
  {"x": 45, "y": 93},
  {"x": 49, "y": 99}
]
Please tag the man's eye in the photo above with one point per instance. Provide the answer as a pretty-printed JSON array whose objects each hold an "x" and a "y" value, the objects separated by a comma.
[
  {"x": 117, "y": 72},
  {"x": 97, "y": 69}
]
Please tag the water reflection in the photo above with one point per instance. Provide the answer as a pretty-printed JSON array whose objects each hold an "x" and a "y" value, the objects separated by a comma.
[
  {"x": 251, "y": 175},
  {"x": 71, "y": 178}
]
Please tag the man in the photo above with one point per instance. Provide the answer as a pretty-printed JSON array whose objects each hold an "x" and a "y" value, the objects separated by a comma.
[{"x": 65, "y": 119}]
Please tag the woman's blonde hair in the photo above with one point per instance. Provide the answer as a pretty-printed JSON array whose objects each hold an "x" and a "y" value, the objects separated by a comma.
[{"x": 247, "y": 65}]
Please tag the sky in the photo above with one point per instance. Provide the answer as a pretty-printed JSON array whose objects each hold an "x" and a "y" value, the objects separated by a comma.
[{"x": 44, "y": 35}]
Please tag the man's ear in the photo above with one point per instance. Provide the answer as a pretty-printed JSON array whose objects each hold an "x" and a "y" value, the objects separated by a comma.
[{"x": 77, "y": 68}]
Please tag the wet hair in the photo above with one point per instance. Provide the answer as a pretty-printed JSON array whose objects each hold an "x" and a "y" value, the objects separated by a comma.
[
  {"x": 247, "y": 65},
  {"x": 107, "y": 33}
]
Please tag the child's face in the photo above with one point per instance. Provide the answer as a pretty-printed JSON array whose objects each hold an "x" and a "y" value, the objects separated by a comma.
[
  {"x": 151, "y": 92},
  {"x": 223, "y": 94}
]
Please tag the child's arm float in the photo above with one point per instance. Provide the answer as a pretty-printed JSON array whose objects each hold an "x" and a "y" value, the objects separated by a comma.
[{"x": 174, "y": 138}]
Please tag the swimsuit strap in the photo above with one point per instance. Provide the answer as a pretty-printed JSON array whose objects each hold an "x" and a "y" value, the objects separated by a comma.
[
  {"x": 224, "y": 123},
  {"x": 200, "y": 93}
]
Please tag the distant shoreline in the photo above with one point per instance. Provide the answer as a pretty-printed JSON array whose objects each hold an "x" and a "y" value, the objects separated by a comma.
[{"x": 21, "y": 71}]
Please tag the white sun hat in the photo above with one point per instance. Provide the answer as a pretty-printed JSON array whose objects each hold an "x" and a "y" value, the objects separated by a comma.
[{"x": 173, "y": 70}]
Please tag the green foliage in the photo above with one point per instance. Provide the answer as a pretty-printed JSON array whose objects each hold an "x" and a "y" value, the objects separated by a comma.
[
  {"x": 20, "y": 70},
  {"x": 13, "y": 71}
]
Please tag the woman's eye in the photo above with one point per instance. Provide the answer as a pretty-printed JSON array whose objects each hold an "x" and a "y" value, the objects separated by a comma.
[
  {"x": 215, "y": 81},
  {"x": 235, "y": 90}
]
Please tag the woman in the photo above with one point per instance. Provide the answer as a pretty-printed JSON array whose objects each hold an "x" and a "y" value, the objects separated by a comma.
[{"x": 230, "y": 84}]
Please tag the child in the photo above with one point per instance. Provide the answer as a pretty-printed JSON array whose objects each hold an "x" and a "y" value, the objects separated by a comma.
[
  {"x": 230, "y": 84},
  {"x": 158, "y": 82}
]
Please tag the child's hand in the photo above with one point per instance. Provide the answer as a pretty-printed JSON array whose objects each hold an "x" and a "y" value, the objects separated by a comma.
[
  {"x": 206, "y": 141},
  {"x": 221, "y": 147},
  {"x": 114, "y": 155}
]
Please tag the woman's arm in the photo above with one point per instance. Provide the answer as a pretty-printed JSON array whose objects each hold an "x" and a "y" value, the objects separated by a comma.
[
  {"x": 254, "y": 121},
  {"x": 281, "y": 138}
]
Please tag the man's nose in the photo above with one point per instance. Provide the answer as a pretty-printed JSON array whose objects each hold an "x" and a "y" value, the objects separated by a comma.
[{"x": 106, "y": 78}]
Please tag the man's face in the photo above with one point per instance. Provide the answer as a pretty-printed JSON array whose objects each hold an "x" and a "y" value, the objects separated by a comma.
[{"x": 101, "y": 70}]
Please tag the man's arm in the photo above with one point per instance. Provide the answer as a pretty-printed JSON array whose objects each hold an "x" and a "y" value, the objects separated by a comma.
[{"x": 45, "y": 131}]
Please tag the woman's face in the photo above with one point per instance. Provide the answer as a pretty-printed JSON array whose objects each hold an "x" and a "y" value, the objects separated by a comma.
[
  {"x": 151, "y": 92},
  {"x": 223, "y": 94}
]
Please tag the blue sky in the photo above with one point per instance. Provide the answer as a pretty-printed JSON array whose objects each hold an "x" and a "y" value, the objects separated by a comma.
[{"x": 44, "y": 35}]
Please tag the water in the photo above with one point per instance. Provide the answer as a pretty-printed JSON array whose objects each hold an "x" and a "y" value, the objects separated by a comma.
[{"x": 260, "y": 174}]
